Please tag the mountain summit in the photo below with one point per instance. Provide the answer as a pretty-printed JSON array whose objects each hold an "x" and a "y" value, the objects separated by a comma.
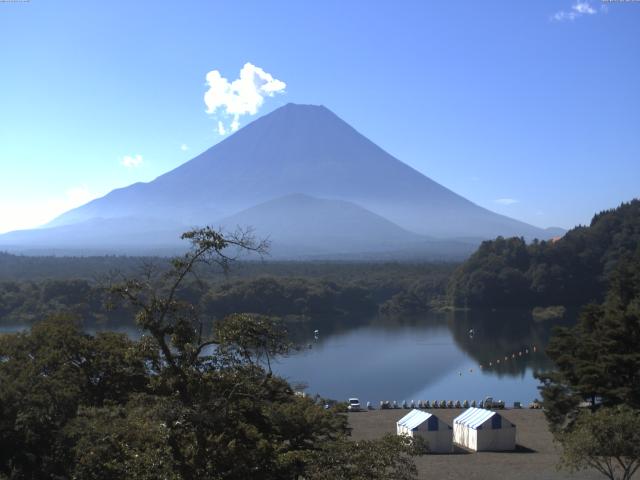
[{"x": 299, "y": 149}]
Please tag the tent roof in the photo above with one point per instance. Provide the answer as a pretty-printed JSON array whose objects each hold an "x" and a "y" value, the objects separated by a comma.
[
  {"x": 474, "y": 417},
  {"x": 414, "y": 418}
]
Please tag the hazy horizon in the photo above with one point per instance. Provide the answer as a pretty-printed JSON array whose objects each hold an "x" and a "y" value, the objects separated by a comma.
[{"x": 542, "y": 128}]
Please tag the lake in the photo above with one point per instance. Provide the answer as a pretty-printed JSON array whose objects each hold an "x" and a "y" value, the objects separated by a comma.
[
  {"x": 427, "y": 358},
  {"x": 432, "y": 357}
]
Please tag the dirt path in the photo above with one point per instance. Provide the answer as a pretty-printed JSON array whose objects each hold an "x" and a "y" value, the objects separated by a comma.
[{"x": 535, "y": 459}]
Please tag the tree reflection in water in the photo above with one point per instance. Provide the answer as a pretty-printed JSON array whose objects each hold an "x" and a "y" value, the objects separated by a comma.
[{"x": 424, "y": 357}]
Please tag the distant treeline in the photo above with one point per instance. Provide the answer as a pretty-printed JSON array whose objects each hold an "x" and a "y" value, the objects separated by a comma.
[
  {"x": 571, "y": 271},
  {"x": 291, "y": 289},
  {"x": 25, "y": 267}
]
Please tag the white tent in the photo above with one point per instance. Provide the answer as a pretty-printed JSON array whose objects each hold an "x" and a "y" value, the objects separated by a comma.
[
  {"x": 437, "y": 433},
  {"x": 479, "y": 429}
]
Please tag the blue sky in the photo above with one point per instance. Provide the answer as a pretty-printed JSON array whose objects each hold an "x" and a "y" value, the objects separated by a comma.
[{"x": 531, "y": 109}]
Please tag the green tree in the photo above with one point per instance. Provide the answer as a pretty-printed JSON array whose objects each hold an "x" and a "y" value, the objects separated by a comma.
[
  {"x": 214, "y": 396},
  {"x": 46, "y": 374},
  {"x": 225, "y": 414},
  {"x": 389, "y": 458},
  {"x": 571, "y": 271},
  {"x": 607, "y": 440},
  {"x": 184, "y": 402},
  {"x": 598, "y": 360},
  {"x": 119, "y": 441}
]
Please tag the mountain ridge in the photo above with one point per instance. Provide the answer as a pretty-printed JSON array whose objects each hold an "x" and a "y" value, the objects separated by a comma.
[
  {"x": 300, "y": 149},
  {"x": 318, "y": 226}
]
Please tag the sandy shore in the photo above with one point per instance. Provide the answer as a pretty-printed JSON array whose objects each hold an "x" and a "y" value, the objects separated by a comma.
[{"x": 535, "y": 459}]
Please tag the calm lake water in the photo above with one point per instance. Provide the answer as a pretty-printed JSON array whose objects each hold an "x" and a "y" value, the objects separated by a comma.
[
  {"x": 427, "y": 358},
  {"x": 432, "y": 357}
]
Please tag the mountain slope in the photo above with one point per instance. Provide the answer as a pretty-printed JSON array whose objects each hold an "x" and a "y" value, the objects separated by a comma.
[
  {"x": 308, "y": 149},
  {"x": 97, "y": 236},
  {"x": 304, "y": 224},
  {"x": 297, "y": 149}
]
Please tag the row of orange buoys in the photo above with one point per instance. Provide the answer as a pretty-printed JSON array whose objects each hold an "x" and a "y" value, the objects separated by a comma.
[{"x": 514, "y": 356}]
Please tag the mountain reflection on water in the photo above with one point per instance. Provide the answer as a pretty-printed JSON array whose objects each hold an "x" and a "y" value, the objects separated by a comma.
[{"x": 427, "y": 358}]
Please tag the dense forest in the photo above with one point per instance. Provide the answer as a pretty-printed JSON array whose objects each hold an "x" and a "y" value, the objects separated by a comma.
[
  {"x": 278, "y": 288},
  {"x": 75, "y": 405},
  {"x": 36, "y": 268},
  {"x": 591, "y": 396},
  {"x": 179, "y": 403},
  {"x": 569, "y": 271}
]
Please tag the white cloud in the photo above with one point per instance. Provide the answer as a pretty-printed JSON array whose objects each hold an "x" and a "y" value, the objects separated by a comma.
[
  {"x": 506, "y": 201},
  {"x": 184, "y": 147},
  {"x": 578, "y": 9},
  {"x": 243, "y": 96},
  {"x": 584, "y": 7},
  {"x": 132, "y": 161}
]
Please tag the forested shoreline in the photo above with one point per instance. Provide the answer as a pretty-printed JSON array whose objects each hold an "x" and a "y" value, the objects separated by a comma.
[
  {"x": 104, "y": 406},
  {"x": 506, "y": 272},
  {"x": 571, "y": 271},
  {"x": 277, "y": 289}
]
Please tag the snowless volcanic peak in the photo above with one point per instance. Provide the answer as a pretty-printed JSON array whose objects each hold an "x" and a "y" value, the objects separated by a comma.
[{"x": 298, "y": 149}]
